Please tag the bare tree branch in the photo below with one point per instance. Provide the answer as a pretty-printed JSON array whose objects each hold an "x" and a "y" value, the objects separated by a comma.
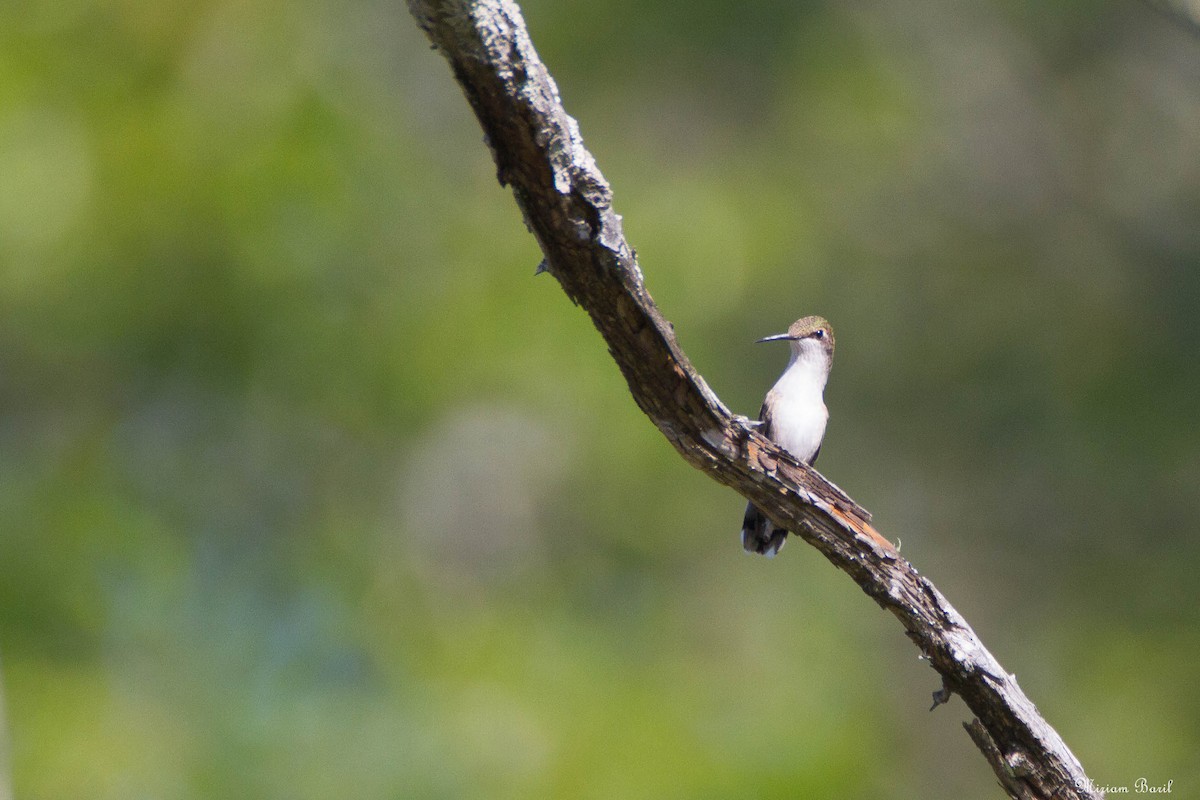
[{"x": 567, "y": 205}]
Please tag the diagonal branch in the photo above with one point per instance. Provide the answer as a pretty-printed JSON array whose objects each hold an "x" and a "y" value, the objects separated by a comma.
[{"x": 567, "y": 205}]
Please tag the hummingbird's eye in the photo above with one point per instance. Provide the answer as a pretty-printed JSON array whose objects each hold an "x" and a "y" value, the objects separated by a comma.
[{"x": 819, "y": 333}]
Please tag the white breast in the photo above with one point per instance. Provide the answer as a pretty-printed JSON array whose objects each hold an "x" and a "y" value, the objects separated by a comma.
[
  {"x": 797, "y": 408},
  {"x": 800, "y": 427}
]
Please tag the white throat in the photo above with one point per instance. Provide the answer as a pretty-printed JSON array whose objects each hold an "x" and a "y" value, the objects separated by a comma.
[{"x": 806, "y": 374}]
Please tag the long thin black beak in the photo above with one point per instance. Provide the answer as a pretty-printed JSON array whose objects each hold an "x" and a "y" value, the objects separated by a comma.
[{"x": 779, "y": 337}]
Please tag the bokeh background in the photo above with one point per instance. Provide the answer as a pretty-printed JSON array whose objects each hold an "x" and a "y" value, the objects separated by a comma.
[{"x": 309, "y": 489}]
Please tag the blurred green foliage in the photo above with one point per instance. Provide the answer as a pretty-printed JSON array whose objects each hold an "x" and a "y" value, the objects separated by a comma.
[{"x": 309, "y": 489}]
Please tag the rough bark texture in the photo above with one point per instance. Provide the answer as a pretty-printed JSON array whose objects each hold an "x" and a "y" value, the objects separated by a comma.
[{"x": 567, "y": 205}]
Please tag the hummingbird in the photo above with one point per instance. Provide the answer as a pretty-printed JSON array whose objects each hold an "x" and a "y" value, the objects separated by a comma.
[{"x": 793, "y": 416}]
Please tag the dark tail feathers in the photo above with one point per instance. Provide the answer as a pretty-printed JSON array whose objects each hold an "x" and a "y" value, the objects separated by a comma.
[{"x": 759, "y": 534}]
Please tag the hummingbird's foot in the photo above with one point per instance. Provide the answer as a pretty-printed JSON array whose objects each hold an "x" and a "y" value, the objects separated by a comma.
[{"x": 749, "y": 423}]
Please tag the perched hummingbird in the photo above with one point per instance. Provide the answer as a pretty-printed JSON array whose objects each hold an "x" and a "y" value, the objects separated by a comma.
[{"x": 793, "y": 416}]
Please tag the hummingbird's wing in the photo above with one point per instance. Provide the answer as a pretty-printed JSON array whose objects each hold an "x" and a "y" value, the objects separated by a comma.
[
  {"x": 764, "y": 414},
  {"x": 759, "y": 534}
]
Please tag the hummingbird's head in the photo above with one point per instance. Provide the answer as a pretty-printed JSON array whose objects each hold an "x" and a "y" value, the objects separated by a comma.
[{"x": 808, "y": 336}]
